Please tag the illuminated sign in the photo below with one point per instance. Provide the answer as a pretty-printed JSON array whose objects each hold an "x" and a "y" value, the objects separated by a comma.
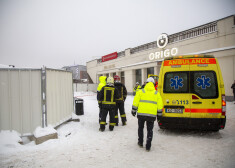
[
  {"x": 162, "y": 41},
  {"x": 190, "y": 61},
  {"x": 109, "y": 57},
  {"x": 163, "y": 54}
]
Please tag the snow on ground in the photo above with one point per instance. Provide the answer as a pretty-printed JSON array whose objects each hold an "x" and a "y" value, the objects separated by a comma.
[{"x": 80, "y": 144}]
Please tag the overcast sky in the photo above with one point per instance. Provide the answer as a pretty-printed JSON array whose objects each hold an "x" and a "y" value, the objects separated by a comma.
[{"x": 58, "y": 33}]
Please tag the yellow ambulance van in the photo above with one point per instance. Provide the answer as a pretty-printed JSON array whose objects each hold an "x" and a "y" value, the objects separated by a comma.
[{"x": 193, "y": 93}]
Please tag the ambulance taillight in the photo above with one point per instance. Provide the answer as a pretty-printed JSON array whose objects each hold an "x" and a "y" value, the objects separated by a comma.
[{"x": 223, "y": 105}]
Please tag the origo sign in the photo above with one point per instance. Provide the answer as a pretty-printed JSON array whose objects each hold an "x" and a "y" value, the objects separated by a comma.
[
  {"x": 109, "y": 57},
  {"x": 162, "y": 41}
]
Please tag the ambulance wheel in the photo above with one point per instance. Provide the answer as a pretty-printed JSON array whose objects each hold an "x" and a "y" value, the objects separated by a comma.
[{"x": 215, "y": 130}]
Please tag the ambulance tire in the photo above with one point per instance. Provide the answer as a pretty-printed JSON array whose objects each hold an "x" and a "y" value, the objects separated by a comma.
[{"x": 215, "y": 130}]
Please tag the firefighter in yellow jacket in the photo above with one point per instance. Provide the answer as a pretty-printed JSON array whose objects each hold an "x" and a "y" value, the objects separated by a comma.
[
  {"x": 147, "y": 104},
  {"x": 102, "y": 83},
  {"x": 108, "y": 96}
]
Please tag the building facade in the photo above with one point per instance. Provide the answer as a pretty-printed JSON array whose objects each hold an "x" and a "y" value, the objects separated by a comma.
[
  {"x": 79, "y": 72},
  {"x": 134, "y": 64}
]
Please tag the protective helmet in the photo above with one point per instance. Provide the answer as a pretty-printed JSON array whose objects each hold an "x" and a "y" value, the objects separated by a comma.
[
  {"x": 116, "y": 78},
  {"x": 150, "y": 79},
  {"x": 137, "y": 83},
  {"x": 110, "y": 80}
]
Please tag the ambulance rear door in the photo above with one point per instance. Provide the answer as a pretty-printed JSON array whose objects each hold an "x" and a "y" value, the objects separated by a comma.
[
  {"x": 176, "y": 96},
  {"x": 204, "y": 88}
]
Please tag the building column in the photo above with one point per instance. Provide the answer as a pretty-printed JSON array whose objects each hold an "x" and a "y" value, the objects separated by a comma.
[
  {"x": 155, "y": 70},
  {"x": 130, "y": 80},
  {"x": 143, "y": 75}
]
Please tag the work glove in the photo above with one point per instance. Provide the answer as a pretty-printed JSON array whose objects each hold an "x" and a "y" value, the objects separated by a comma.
[{"x": 133, "y": 112}]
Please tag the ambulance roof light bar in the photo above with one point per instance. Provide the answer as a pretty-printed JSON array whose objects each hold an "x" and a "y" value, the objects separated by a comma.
[{"x": 189, "y": 56}]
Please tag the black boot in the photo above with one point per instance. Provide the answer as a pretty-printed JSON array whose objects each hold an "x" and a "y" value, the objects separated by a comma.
[
  {"x": 148, "y": 147},
  {"x": 111, "y": 128},
  {"x": 140, "y": 144},
  {"x": 101, "y": 130}
]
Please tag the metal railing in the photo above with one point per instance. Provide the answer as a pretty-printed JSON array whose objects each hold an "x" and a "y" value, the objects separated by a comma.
[{"x": 194, "y": 32}]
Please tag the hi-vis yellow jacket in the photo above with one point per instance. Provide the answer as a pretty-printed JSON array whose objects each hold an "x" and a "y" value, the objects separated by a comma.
[
  {"x": 148, "y": 101},
  {"x": 102, "y": 83}
]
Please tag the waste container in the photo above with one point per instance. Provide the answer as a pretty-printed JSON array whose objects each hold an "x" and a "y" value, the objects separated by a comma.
[{"x": 79, "y": 106}]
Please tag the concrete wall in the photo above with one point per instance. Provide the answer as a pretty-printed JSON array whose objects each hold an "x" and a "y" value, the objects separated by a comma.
[{"x": 79, "y": 87}]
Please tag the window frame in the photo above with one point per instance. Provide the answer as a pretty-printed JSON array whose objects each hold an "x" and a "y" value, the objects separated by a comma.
[
  {"x": 187, "y": 90},
  {"x": 192, "y": 90}
]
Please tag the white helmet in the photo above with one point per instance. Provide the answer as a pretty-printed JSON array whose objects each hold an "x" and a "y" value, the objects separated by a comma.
[
  {"x": 150, "y": 79},
  {"x": 110, "y": 80},
  {"x": 137, "y": 83}
]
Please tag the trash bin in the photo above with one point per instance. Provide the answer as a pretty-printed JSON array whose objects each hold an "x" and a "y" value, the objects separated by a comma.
[{"x": 79, "y": 106}]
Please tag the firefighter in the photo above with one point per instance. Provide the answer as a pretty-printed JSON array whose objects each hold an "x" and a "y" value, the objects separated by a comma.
[
  {"x": 108, "y": 96},
  {"x": 136, "y": 88},
  {"x": 120, "y": 102},
  {"x": 102, "y": 83},
  {"x": 147, "y": 104}
]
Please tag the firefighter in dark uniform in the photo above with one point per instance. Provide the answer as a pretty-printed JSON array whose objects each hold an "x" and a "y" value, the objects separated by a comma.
[
  {"x": 102, "y": 83},
  {"x": 108, "y": 96},
  {"x": 120, "y": 102}
]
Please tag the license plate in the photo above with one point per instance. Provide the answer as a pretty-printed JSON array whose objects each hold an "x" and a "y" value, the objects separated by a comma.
[{"x": 170, "y": 110}]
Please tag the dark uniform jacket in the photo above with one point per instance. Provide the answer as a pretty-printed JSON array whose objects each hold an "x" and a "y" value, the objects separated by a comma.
[
  {"x": 108, "y": 96},
  {"x": 122, "y": 91}
]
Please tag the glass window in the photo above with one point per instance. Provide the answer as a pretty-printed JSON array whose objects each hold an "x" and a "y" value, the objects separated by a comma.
[
  {"x": 150, "y": 71},
  {"x": 138, "y": 76},
  {"x": 204, "y": 84},
  {"x": 176, "y": 82}
]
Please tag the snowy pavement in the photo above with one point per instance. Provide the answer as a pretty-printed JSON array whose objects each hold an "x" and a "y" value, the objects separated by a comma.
[{"x": 81, "y": 145}]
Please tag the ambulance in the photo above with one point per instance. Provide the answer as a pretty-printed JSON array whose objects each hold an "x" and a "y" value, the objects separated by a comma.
[{"x": 193, "y": 93}]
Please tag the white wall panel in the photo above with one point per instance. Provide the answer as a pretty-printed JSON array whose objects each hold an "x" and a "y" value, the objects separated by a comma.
[
  {"x": 4, "y": 101},
  {"x": 59, "y": 93},
  {"x": 20, "y": 100}
]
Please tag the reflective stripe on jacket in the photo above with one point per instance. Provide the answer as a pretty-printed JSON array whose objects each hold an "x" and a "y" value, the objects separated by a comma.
[
  {"x": 108, "y": 96},
  {"x": 148, "y": 101},
  {"x": 111, "y": 97}
]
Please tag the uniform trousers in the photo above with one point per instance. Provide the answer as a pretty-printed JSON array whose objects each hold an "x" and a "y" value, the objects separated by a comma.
[
  {"x": 120, "y": 107},
  {"x": 150, "y": 125},
  {"x": 104, "y": 114}
]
